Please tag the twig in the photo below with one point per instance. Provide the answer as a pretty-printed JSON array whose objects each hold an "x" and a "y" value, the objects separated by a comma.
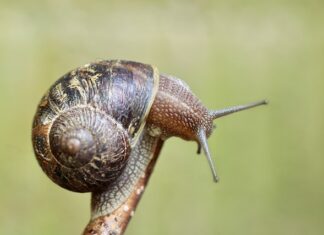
[{"x": 116, "y": 222}]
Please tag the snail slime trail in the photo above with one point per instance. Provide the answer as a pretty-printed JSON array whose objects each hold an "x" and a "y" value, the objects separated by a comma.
[{"x": 100, "y": 129}]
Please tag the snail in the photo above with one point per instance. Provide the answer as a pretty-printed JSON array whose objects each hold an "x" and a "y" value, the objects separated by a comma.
[{"x": 97, "y": 127}]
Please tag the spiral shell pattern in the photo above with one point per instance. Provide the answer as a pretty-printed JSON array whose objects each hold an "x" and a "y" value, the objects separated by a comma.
[
  {"x": 90, "y": 119},
  {"x": 90, "y": 141}
]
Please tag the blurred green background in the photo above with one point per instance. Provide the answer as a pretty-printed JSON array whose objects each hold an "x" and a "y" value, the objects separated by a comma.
[{"x": 270, "y": 159}]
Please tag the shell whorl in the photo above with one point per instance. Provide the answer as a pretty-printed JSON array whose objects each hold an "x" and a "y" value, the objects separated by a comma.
[
  {"x": 91, "y": 142},
  {"x": 90, "y": 119}
]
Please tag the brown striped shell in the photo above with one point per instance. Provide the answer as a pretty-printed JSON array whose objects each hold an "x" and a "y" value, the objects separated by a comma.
[{"x": 88, "y": 121}]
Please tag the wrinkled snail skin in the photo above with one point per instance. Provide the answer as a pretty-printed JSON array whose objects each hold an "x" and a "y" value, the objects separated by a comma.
[
  {"x": 176, "y": 111},
  {"x": 116, "y": 222},
  {"x": 101, "y": 126},
  {"x": 106, "y": 201}
]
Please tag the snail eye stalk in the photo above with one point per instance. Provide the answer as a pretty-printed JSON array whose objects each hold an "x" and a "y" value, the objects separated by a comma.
[
  {"x": 203, "y": 143},
  {"x": 202, "y": 138},
  {"x": 226, "y": 111}
]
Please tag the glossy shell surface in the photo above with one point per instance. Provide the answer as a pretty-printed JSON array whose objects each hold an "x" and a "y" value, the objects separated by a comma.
[{"x": 105, "y": 103}]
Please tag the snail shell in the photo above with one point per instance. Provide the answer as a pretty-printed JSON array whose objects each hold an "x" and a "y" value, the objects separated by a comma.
[{"x": 90, "y": 119}]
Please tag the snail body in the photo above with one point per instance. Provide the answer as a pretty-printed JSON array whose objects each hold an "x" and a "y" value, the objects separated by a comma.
[
  {"x": 97, "y": 127},
  {"x": 178, "y": 112}
]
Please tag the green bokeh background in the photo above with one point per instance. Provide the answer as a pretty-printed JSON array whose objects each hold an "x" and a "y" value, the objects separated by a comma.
[{"x": 270, "y": 159}]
